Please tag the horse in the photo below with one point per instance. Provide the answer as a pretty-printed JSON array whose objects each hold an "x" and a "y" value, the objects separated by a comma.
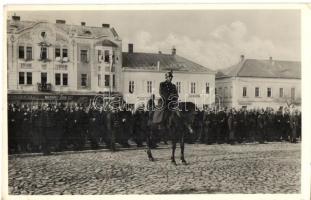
[{"x": 177, "y": 124}]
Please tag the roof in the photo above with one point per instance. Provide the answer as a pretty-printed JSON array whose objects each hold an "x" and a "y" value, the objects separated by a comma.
[
  {"x": 149, "y": 61},
  {"x": 78, "y": 30},
  {"x": 263, "y": 69}
]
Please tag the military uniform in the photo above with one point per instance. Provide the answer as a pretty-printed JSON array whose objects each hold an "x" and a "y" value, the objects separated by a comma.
[
  {"x": 94, "y": 127},
  {"x": 114, "y": 127},
  {"x": 169, "y": 94}
]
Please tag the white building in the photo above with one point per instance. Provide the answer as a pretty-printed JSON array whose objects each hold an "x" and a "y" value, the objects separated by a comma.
[
  {"x": 143, "y": 72},
  {"x": 256, "y": 83},
  {"x": 56, "y": 61}
]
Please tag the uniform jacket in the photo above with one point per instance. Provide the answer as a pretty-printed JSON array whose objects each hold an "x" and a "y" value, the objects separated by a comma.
[{"x": 168, "y": 92}]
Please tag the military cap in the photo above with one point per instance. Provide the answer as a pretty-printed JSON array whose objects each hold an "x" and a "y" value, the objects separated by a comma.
[{"x": 169, "y": 74}]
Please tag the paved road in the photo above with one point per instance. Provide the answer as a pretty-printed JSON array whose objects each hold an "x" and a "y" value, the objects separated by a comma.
[{"x": 247, "y": 168}]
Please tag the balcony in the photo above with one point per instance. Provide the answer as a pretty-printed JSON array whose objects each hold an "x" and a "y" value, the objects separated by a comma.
[
  {"x": 62, "y": 59},
  {"x": 44, "y": 87}
]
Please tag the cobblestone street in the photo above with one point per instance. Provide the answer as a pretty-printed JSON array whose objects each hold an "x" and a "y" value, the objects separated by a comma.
[{"x": 245, "y": 168}]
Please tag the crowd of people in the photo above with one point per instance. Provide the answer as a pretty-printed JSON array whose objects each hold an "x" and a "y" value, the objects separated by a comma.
[{"x": 47, "y": 127}]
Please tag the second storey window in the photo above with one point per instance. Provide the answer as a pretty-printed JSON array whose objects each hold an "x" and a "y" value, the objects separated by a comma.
[
  {"x": 244, "y": 91},
  {"x": 21, "y": 52},
  {"x": 43, "y": 53},
  {"x": 281, "y": 92},
  {"x": 256, "y": 91},
  {"x": 28, "y": 53},
  {"x": 107, "y": 80},
  {"x": 21, "y": 78},
  {"x": 149, "y": 86},
  {"x": 269, "y": 92},
  {"x": 83, "y": 56},
  {"x": 83, "y": 79},
  {"x": 131, "y": 87},
  {"x": 57, "y": 79},
  {"x": 192, "y": 88}
]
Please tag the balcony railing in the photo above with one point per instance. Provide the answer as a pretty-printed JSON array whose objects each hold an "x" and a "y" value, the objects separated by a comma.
[
  {"x": 61, "y": 67},
  {"x": 26, "y": 66},
  {"x": 45, "y": 87}
]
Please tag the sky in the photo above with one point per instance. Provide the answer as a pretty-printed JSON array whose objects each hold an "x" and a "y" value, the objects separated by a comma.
[{"x": 212, "y": 38}]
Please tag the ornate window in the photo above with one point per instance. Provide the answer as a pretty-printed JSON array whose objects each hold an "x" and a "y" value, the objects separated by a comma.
[{"x": 83, "y": 56}]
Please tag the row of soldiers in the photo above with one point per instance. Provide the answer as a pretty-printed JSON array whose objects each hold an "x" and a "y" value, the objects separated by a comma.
[{"x": 45, "y": 128}]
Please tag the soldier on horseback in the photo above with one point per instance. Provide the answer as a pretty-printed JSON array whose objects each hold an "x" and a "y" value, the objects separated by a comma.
[{"x": 174, "y": 119}]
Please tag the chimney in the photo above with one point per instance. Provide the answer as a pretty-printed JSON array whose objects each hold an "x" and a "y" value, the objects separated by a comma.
[
  {"x": 242, "y": 58},
  {"x": 60, "y": 21},
  {"x": 160, "y": 52},
  {"x": 82, "y": 23},
  {"x": 158, "y": 65},
  {"x": 173, "y": 51},
  {"x": 105, "y": 25},
  {"x": 271, "y": 60},
  {"x": 16, "y": 18},
  {"x": 131, "y": 48}
]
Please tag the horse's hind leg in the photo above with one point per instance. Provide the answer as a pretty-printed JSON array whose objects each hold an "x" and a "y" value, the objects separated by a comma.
[
  {"x": 182, "y": 148},
  {"x": 173, "y": 152}
]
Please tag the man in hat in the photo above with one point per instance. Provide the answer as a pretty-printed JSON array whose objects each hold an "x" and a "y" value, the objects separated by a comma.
[{"x": 168, "y": 92}]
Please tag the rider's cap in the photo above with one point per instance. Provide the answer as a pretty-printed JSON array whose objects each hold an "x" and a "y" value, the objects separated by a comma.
[{"x": 169, "y": 74}]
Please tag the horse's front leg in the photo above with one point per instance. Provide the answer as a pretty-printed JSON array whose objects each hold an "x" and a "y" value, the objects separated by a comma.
[
  {"x": 149, "y": 141},
  {"x": 173, "y": 151}
]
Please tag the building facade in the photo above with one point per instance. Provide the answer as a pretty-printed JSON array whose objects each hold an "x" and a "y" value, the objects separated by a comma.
[
  {"x": 61, "y": 62},
  {"x": 256, "y": 83},
  {"x": 49, "y": 60},
  {"x": 143, "y": 72}
]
